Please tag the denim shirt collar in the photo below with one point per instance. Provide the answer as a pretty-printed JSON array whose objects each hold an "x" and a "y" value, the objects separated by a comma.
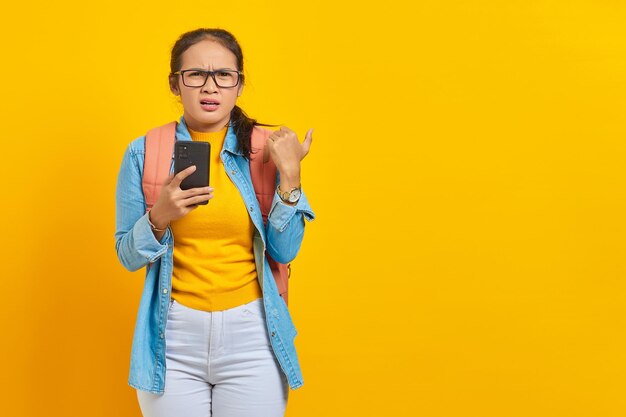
[{"x": 230, "y": 142}]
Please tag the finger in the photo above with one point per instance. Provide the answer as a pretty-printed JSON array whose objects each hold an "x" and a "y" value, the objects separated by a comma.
[
  {"x": 189, "y": 209},
  {"x": 196, "y": 191},
  {"x": 280, "y": 133},
  {"x": 178, "y": 178},
  {"x": 286, "y": 130},
  {"x": 306, "y": 145},
  {"x": 197, "y": 199},
  {"x": 274, "y": 135}
]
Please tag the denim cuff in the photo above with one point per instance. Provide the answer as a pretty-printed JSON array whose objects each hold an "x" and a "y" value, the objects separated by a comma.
[
  {"x": 280, "y": 214},
  {"x": 145, "y": 241}
]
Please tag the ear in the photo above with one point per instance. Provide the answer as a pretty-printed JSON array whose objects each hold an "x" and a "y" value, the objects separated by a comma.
[
  {"x": 174, "y": 86},
  {"x": 239, "y": 90}
]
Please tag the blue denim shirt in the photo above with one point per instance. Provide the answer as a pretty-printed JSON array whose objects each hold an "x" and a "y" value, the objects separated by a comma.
[{"x": 137, "y": 247}]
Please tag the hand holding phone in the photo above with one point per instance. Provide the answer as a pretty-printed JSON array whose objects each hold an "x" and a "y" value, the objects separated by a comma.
[
  {"x": 188, "y": 153},
  {"x": 187, "y": 187}
]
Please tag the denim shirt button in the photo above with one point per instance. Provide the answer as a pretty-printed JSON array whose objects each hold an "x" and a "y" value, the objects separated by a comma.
[
  {"x": 164, "y": 290},
  {"x": 273, "y": 334},
  {"x": 233, "y": 172},
  {"x": 161, "y": 335}
]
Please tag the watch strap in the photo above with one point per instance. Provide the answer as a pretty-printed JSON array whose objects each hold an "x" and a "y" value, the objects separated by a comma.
[{"x": 284, "y": 195}]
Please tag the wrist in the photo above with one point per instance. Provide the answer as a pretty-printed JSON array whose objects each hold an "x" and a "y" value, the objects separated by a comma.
[
  {"x": 289, "y": 181},
  {"x": 290, "y": 175},
  {"x": 156, "y": 223}
]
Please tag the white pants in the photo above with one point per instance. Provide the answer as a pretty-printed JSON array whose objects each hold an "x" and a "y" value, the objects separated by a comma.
[{"x": 219, "y": 364}]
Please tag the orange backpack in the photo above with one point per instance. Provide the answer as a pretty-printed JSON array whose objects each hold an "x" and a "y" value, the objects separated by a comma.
[{"x": 156, "y": 170}]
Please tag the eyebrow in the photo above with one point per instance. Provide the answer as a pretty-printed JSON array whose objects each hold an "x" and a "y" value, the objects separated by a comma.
[{"x": 217, "y": 69}]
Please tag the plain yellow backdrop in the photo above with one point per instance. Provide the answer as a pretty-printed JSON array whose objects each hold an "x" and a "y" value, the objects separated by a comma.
[{"x": 467, "y": 172}]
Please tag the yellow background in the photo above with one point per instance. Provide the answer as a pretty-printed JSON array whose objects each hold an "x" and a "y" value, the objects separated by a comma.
[{"x": 467, "y": 173}]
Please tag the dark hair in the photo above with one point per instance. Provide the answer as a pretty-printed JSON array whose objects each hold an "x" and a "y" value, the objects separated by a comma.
[{"x": 242, "y": 124}]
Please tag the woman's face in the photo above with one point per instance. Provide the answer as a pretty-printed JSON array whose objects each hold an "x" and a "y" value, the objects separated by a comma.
[{"x": 207, "y": 55}]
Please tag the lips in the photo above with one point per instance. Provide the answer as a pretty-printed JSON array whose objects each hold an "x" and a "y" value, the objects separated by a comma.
[{"x": 209, "y": 104}]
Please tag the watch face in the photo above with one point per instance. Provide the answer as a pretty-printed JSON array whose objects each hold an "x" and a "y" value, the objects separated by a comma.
[{"x": 294, "y": 196}]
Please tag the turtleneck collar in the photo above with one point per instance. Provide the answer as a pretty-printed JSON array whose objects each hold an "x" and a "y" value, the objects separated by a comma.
[{"x": 208, "y": 136}]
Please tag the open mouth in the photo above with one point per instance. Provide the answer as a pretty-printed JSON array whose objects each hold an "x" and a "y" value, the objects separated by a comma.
[{"x": 209, "y": 105}]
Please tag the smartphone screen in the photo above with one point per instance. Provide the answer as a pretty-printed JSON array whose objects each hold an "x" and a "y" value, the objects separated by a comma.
[{"x": 187, "y": 153}]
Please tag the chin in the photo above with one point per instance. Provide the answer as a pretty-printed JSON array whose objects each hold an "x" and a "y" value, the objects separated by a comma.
[{"x": 209, "y": 119}]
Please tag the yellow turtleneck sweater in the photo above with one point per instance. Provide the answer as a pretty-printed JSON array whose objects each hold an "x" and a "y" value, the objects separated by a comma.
[{"x": 214, "y": 266}]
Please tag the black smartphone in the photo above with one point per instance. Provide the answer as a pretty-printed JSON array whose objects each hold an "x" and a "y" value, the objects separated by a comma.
[{"x": 187, "y": 153}]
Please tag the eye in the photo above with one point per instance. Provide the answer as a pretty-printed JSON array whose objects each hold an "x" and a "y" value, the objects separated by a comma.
[{"x": 195, "y": 74}]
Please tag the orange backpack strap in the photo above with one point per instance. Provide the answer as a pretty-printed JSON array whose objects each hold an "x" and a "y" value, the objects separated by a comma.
[
  {"x": 158, "y": 158},
  {"x": 263, "y": 173},
  {"x": 262, "y": 170}
]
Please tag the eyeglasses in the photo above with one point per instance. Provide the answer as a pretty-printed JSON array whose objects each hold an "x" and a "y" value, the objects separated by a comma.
[{"x": 223, "y": 78}]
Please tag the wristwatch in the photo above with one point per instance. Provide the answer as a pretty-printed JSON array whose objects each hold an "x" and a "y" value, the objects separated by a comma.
[{"x": 291, "y": 196}]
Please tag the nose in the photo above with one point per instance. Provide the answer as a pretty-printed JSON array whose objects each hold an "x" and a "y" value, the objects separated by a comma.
[{"x": 210, "y": 85}]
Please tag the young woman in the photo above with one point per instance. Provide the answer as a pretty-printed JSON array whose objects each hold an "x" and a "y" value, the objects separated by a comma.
[{"x": 213, "y": 337}]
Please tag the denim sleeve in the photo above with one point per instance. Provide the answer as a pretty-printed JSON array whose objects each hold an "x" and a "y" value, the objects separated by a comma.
[
  {"x": 285, "y": 228},
  {"x": 135, "y": 242}
]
